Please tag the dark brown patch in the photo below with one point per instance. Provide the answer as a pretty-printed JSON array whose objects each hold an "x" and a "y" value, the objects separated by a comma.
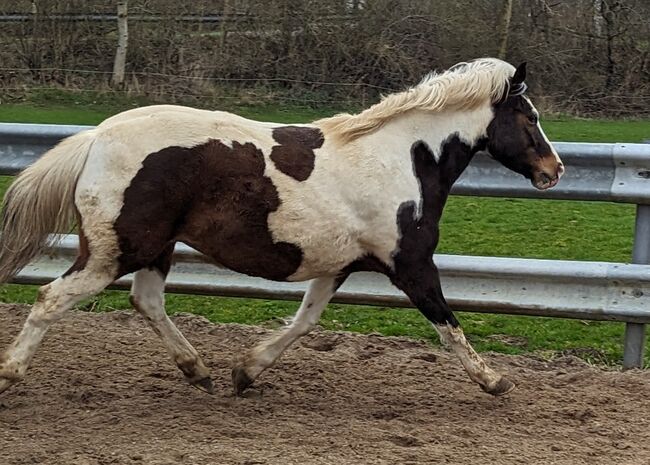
[
  {"x": 84, "y": 253},
  {"x": 295, "y": 154},
  {"x": 163, "y": 262},
  {"x": 212, "y": 197}
]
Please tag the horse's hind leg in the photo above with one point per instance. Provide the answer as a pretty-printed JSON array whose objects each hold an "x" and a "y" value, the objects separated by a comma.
[
  {"x": 147, "y": 297},
  {"x": 87, "y": 277},
  {"x": 265, "y": 354}
]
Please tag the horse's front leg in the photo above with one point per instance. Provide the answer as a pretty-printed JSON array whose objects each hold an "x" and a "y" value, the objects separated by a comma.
[{"x": 421, "y": 283}]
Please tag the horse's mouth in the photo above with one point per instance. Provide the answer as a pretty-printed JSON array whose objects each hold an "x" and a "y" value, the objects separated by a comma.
[{"x": 543, "y": 181}]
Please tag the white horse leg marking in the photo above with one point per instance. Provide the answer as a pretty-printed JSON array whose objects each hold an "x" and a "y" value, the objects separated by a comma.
[
  {"x": 264, "y": 355},
  {"x": 147, "y": 297},
  {"x": 476, "y": 368},
  {"x": 53, "y": 301}
]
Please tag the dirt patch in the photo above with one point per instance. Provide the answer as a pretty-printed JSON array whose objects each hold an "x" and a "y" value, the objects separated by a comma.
[{"x": 102, "y": 391}]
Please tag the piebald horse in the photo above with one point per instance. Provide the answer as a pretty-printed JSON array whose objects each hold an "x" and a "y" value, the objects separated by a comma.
[{"x": 295, "y": 202}]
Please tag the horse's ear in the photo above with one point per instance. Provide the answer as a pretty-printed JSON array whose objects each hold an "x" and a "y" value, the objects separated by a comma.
[
  {"x": 520, "y": 74},
  {"x": 516, "y": 85}
]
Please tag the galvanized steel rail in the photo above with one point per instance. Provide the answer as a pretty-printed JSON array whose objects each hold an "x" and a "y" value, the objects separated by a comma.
[
  {"x": 586, "y": 290},
  {"x": 558, "y": 288}
]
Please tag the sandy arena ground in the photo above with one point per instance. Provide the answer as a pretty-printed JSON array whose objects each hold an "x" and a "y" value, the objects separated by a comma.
[{"x": 102, "y": 391}]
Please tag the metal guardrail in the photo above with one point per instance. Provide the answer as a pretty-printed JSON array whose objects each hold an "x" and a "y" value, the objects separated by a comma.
[
  {"x": 570, "y": 289},
  {"x": 607, "y": 172}
]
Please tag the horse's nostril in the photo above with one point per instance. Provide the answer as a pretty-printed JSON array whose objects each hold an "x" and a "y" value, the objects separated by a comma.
[{"x": 560, "y": 169}]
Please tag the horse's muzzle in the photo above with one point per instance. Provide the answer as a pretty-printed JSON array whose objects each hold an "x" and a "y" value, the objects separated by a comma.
[{"x": 548, "y": 176}]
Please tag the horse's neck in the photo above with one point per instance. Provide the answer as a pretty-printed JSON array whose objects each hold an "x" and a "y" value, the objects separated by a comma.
[{"x": 452, "y": 136}]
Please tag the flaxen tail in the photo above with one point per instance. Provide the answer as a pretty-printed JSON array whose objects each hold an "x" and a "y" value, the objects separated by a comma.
[{"x": 41, "y": 201}]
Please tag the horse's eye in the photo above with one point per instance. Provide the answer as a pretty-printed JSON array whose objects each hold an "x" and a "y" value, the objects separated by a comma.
[{"x": 532, "y": 119}]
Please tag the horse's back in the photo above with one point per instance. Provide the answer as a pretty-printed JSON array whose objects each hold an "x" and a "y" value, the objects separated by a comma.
[
  {"x": 125, "y": 141},
  {"x": 173, "y": 111}
]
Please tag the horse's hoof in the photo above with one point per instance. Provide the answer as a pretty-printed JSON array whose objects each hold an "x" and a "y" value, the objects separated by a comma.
[
  {"x": 503, "y": 387},
  {"x": 204, "y": 384},
  {"x": 240, "y": 380}
]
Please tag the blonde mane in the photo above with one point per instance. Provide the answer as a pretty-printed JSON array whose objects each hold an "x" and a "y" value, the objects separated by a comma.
[{"x": 463, "y": 86}]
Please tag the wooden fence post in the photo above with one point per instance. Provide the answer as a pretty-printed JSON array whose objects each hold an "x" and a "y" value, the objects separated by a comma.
[{"x": 122, "y": 43}]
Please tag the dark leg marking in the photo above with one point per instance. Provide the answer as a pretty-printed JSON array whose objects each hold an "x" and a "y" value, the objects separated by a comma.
[
  {"x": 84, "y": 253},
  {"x": 295, "y": 154}
]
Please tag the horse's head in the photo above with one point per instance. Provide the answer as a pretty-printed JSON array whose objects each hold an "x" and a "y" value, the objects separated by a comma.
[{"x": 516, "y": 139}]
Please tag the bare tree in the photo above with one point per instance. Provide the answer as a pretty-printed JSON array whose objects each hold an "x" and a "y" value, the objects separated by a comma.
[
  {"x": 224, "y": 24},
  {"x": 587, "y": 57},
  {"x": 122, "y": 43},
  {"x": 609, "y": 11},
  {"x": 506, "y": 16}
]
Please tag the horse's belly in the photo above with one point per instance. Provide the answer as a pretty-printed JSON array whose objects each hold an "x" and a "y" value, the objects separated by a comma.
[
  {"x": 248, "y": 248},
  {"x": 326, "y": 254}
]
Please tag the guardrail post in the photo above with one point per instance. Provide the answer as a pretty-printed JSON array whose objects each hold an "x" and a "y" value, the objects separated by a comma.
[{"x": 635, "y": 332}]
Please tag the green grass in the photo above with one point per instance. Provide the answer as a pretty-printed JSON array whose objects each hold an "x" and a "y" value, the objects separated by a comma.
[
  {"x": 561, "y": 128},
  {"x": 57, "y": 107},
  {"x": 93, "y": 115},
  {"x": 470, "y": 226}
]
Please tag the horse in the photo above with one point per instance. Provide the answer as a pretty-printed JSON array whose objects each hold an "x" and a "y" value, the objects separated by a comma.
[{"x": 285, "y": 202}]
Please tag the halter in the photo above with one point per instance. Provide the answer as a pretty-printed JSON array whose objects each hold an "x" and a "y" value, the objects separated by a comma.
[{"x": 517, "y": 90}]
